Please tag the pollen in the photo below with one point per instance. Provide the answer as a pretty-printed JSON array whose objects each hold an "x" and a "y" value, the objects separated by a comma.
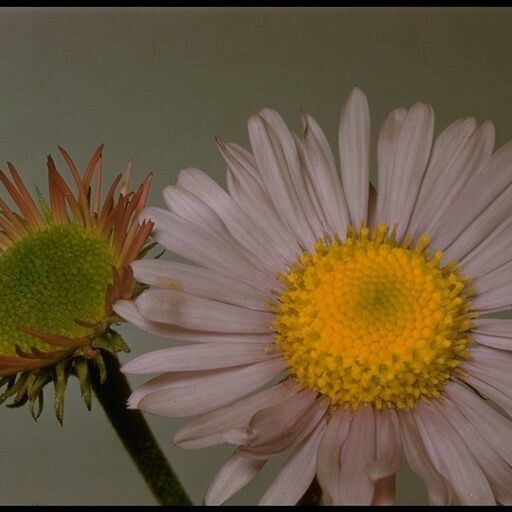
[{"x": 370, "y": 321}]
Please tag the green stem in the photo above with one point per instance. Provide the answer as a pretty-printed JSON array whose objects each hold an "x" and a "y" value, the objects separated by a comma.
[
  {"x": 313, "y": 495},
  {"x": 136, "y": 436}
]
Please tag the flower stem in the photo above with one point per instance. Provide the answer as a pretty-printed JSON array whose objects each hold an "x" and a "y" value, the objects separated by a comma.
[{"x": 136, "y": 436}]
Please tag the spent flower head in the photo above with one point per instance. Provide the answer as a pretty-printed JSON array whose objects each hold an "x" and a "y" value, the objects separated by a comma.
[{"x": 63, "y": 263}]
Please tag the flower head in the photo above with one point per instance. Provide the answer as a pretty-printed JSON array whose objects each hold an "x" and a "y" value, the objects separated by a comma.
[
  {"x": 342, "y": 325},
  {"x": 62, "y": 266}
]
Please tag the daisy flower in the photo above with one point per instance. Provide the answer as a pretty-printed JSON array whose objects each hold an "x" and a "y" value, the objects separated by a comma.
[
  {"x": 62, "y": 266},
  {"x": 345, "y": 327}
]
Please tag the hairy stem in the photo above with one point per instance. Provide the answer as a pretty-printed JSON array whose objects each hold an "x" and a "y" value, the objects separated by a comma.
[{"x": 133, "y": 430}]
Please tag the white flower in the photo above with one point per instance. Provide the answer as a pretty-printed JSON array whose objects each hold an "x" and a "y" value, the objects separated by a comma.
[{"x": 360, "y": 313}]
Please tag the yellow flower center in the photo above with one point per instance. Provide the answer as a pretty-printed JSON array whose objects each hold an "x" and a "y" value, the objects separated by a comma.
[{"x": 368, "y": 321}]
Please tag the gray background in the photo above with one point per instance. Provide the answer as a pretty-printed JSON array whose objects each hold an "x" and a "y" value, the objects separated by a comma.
[{"x": 155, "y": 85}]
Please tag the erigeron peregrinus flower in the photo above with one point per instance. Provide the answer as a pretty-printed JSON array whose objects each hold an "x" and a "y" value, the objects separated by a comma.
[
  {"x": 363, "y": 315},
  {"x": 62, "y": 266}
]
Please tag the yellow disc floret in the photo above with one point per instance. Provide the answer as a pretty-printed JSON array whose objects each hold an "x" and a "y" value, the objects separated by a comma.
[{"x": 369, "y": 321}]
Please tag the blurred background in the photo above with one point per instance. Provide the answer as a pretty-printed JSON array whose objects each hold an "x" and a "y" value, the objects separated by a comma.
[{"x": 156, "y": 85}]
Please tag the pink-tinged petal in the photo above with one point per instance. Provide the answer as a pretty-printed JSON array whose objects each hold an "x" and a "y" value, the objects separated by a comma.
[
  {"x": 484, "y": 187},
  {"x": 487, "y": 284},
  {"x": 325, "y": 181},
  {"x": 163, "y": 382},
  {"x": 357, "y": 453},
  {"x": 354, "y": 146},
  {"x": 494, "y": 362},
  {"x": 190, "y": 241},
  {"x": 474, "y": 154},
  {"x": 200, "y": 357},
  {"x": 206, "y": 392},
  {"x": 329, "y": 454},
  {"x": 241, "y": 227},
  {"x": 297, "y": 474},
  {"x": 185, "y": 204},
  {"x": 389, "y": 449},
  {"x": 210, "y": 429},
  {"x": 271, "y": 422},
  {"x": 251, "y": 196},
  {"x": 385, "y": 491},
  {"x": 285, "y": 436},
  {"x": 235, "y": 474},
  {"x": 494, "y": 427},
  {"x": 453, "y": 459},
  {"x": 239, "y": 160},
  {"x": 494, "y": 298},
  {"x": 290, "y": 160},
  {"x": 493, "y": 332},
  {"x": 271, "y": 161},
  {"x": 497, "y": 212},
  {"x": 438, "y": 488},
  {"x": 323, "y": 227},
  {"x": 493, "y": 386},
  {"x": 497, "y": 471},
  {"x": 411, "y": 157},
  {"x": 127, "y": 310},
  {"x": 199, "y": 281},
  {"x": 386, "y": 149},
  {"x": 445, "y": 150},
  {"x": 191, "y": 312},
  {"x": 491, "y": 253}
]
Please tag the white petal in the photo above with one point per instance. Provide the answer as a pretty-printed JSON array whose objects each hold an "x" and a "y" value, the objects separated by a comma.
[
  {"x": 194, "y": 243},
  {"x": 253, "y": 199},
  {"x": 484, "y": 187},
  {"x": 199, "y": 281},
  {"x": 455, "y": 460},
  {"x": 206, "y": 392},
  {"x": 493, "y": 332},
  {"x": 185, "y": 204},
  {"x": 239, "y": 160},
  {"x": 272, "y": 164},
  {"x": 386, "y": 149},
  {"x": 127, "y": 310},
  {"x": 494, "y": 290},
  {"x": 323, "y": 175},
  {"x": 235, "y": 474},
  {"x": 291, "y": 161},
  {"x": 210, "y": 429},
  {"x": 492, "y": 252},
  {"x": 179, "y": 308},
  {"x": 410, "y": 160},
  {"x": 357, "y": 453},
  {"x": 388, "y": 446},
  {"x": 354, "y": 146},
  {"x": 438, "y": 489},
  {"x": 495, "y": 468},
  {"x": 238, "y": 223},
  {"x": 494, "y": 427},
  {"x": 490, "y": 384},
  {"x": 322, "y": 227},
  {"x": 439, "y": 205},
  {"x": 293, "y": 480},
  {"x": 445, "y": 150},
  {"x": 329, "y": 454},
  {"x": 286, "y": 435},
  {"x": 200, "y": 357},
  {"x": 484, "y": 225}
]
